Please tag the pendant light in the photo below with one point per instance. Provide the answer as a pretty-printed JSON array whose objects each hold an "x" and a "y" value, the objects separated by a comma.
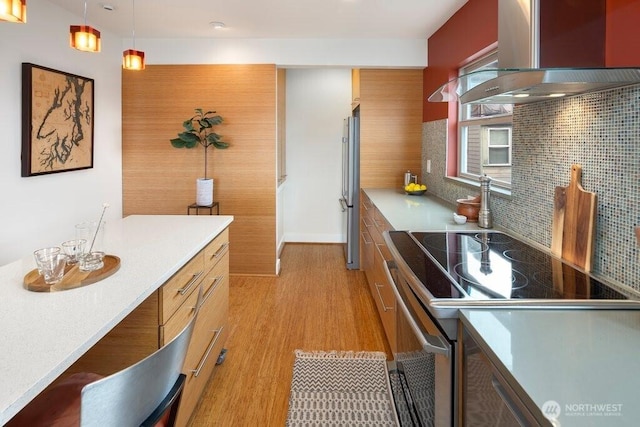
[
  {"x": 84, "y": 37},
  {"x": 133, "y": 59},
  {"x": 13, "y": 11}
]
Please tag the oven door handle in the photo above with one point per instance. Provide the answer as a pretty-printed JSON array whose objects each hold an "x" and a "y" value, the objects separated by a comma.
[{"x": 421, "y": 336}]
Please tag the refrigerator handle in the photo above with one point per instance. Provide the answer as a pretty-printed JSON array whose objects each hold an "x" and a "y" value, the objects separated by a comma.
[{"x": 343, "y": 204}]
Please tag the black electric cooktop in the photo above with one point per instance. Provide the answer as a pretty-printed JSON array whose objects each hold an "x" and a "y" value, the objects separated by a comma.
[{"x": 493, "y": 265}]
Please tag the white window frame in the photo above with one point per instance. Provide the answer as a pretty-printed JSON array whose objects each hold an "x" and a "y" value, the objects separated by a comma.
[
  {"x": 487, "y": 146},
  {"x": 496, "y": 121}
]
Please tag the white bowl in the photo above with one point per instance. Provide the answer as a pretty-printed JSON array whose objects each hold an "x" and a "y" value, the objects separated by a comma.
[{"x": 459, "y": 219}]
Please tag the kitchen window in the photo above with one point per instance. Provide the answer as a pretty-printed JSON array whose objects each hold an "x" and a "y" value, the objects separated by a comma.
[{"x": 484, "y": 131}]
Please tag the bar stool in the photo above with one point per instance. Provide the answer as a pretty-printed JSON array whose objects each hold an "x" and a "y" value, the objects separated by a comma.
[{"x": 145, "y": 394}]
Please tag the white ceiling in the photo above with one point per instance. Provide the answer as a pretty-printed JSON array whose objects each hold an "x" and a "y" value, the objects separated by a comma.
[{"x": 273, "y": 19}]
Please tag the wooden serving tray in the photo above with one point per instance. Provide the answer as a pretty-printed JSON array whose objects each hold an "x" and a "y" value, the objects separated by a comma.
[{"x": 73, "y": 276}]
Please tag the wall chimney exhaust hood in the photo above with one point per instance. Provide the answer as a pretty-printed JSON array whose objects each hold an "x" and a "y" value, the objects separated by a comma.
[{"x": 546, "y": 49}]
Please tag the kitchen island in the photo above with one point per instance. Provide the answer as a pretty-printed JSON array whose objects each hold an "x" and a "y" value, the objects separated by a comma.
[
  {"x": 571, "y": 367},
  {"x": 44, "y": 333}
]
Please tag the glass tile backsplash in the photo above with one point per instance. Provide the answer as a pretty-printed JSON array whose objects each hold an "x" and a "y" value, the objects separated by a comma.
[{"x": 601, "y": 132}]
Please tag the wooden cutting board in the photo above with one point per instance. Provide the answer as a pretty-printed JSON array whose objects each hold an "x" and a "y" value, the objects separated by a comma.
[{"x": 574, "y": 221}]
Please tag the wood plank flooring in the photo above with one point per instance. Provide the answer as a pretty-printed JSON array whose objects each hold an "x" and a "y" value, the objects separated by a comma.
[{"x": 315, "y": 304}]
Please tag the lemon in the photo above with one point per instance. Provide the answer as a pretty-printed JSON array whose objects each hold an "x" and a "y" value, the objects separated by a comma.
[{"x": 423, "y": 187}]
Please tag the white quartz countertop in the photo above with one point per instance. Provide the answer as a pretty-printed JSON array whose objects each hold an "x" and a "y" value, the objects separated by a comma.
[
  {"x": 587, "y": 361},
  {"x": 44, "y": 333},
  {"x": 416, "y": 213}
]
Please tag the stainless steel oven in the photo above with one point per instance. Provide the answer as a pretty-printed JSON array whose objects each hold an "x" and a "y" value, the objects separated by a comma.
[
  {"x": 421, "y": 373},
  {"x": 437, "y": 273}
]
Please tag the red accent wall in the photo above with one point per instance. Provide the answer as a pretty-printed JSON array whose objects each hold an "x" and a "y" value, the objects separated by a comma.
[
  {"x": 572, "y": 33},
  {"x": 471, "y": 29},
  {"x": 623, "y": 33},
  {"x": 475, "y": 27}
]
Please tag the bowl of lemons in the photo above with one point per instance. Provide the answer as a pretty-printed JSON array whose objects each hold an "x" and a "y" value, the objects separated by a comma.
[{"x": 414, "y": 189}]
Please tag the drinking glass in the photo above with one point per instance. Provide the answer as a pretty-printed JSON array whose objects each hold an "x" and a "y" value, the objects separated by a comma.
[
  {"x": 42, "y": 254},
  {"x": 87, "y": 232},
  {"x": 51, "y": 264},
  {"x": 91, "y": 261},
  {"x": 74, "y": 249},
  {"x": 92, "y": 256}
]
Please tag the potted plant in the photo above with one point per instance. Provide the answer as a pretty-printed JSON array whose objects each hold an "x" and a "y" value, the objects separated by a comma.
[{"x": 199, "y": 130}]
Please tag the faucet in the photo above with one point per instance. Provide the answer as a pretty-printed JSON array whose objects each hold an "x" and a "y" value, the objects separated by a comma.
[{"x": 484, "y": 216}]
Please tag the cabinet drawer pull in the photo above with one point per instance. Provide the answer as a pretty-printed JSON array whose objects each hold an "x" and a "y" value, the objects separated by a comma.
[
  {"x": 367, "y": 242},
  {"x": 364, "y": 219},
  {"x": 220, "y": 250},
  {"x": 193, "y": 280},
  {"x": 216, "y": 282},
  {"x": 384, "y": 306},
  {"x": 212, "y": 344}
]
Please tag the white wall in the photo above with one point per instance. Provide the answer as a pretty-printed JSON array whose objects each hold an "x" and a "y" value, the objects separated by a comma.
[
  {"x": 39, "y": 211},
  {"x": 318, "y": 100},
  {"x": 357, "y": 53},
  {"x": 42, "y": 210}
]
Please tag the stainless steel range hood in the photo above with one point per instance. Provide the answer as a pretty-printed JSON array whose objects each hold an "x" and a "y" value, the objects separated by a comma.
[{"x": 522, "y": 41}]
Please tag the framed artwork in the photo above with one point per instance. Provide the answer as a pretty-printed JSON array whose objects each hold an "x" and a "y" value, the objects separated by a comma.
[{"x": 57, "y": 121}]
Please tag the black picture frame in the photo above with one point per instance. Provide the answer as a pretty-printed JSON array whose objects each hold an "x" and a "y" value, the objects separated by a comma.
[{"x": 57, "y": 121}]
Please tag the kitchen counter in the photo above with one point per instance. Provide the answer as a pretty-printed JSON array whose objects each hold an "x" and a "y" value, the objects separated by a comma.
[
  {"x": 45, "y": 333},
  {"x": 416, "y": 213},
  {"x": 584, "y": 360}
]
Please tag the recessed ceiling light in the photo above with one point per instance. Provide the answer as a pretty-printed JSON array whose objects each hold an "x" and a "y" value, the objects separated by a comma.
[{"x": 217, "y": 24}]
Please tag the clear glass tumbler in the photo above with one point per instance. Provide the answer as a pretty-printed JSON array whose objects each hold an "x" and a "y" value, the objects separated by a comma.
[
  {"x": 74, "y": 249},
  {"x": 51, "y": 264},
  {"x": 42, "y": 254}
]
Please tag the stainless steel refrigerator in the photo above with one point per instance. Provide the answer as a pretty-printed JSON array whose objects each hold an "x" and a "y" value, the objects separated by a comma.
[{"x": 350, "y": 200}]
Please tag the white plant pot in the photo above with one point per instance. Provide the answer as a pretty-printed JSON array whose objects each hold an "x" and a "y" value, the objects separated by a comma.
[{"x": 204, "y": 192}]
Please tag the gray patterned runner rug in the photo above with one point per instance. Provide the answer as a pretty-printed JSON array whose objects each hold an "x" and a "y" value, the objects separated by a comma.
[{"x": 340, "y": 389}]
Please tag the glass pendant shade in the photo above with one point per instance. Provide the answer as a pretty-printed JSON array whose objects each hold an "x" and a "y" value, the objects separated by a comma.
[
  {"x": 13, "y": 11},
  {"x": 85, "y": 38},
  {"x": 133, "y": 59}
]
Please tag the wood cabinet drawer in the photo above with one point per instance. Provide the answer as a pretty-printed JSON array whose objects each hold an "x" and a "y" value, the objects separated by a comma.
[
  {"x": 207, "y": 342},
  {"x": 177, "y": 289},
  {"x": 368, "y": 207},
  {"x": 384, "y": 295},
  {"x": 219, "y": 272},
  {"x": 381, "y": 222},
  {"x": 216, "y": 250},
  {"x": 179, "y": 319},
  {"x": 366, "y": 248}
]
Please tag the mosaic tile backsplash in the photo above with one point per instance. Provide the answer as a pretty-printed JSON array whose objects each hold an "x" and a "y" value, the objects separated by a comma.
[{"x": 601, "y": 132}]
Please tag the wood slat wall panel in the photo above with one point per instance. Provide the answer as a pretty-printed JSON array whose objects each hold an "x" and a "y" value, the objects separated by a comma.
[
  {"x": 160, "y": 179},
  {"x": 391, "y": 126}
]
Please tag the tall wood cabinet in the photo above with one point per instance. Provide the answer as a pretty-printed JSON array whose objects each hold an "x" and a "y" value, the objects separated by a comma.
[
  {"x": 390, "y": 126},
  {"x": 390, "y": 103}
]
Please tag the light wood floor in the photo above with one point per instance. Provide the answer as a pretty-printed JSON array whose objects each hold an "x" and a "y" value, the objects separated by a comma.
[{"x": 315, "y": 304}]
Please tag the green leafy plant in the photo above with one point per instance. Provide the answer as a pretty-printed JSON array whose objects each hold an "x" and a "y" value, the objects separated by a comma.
[{"x": 199, "y": 130}]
